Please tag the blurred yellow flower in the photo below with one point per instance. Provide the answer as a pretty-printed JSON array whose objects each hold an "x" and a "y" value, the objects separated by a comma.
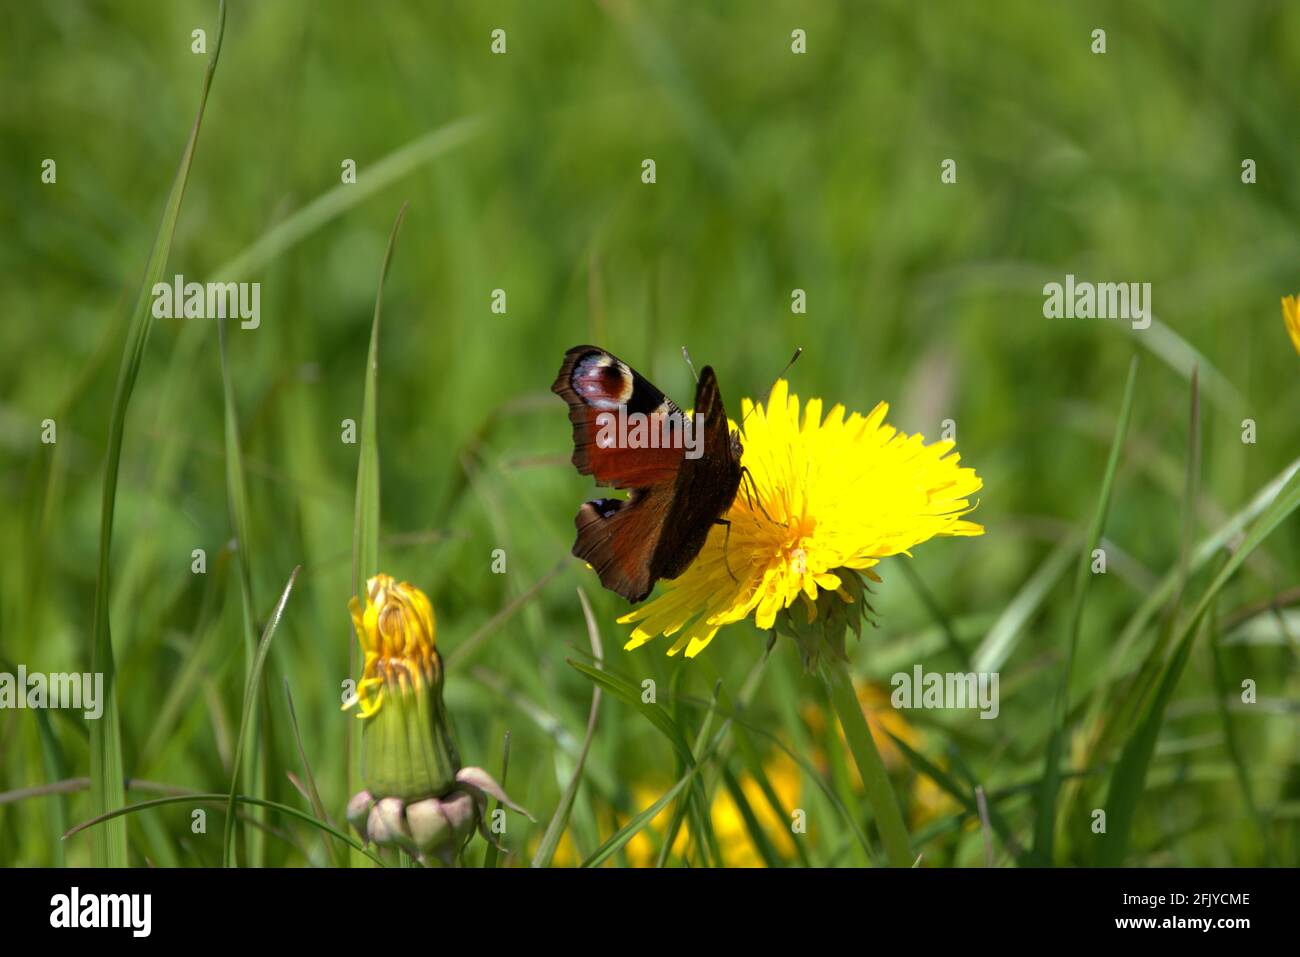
[
  {"x": 396, "y": 632},
  {"x": 886, "y": 722},
  {"x": 735, "y": 842},
  {"x": 1291, "y": 316},
  {"x": 829, "y": 498},
  {"x": 883, "y": 719}
]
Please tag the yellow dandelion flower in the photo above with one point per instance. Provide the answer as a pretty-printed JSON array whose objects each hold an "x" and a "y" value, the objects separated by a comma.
[
  {"x": 1291, "y": 316},
  {"x": 830, "y": 496}
]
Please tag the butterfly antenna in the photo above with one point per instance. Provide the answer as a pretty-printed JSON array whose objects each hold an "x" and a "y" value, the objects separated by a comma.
[
  {"x": 797, "y": 353},
  {"x": 689, "y": 364}
]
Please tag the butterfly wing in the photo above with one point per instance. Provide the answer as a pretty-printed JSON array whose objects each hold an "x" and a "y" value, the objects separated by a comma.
[
  {"x": 618, "y": 537},
  {"x": 596, "y": 384},
  {"x": 659, "y": 529},
  {"x": 706, "y": 485}
]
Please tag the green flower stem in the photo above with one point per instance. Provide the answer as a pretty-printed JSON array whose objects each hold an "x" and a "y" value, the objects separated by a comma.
[{"x": 880, "y": 794}]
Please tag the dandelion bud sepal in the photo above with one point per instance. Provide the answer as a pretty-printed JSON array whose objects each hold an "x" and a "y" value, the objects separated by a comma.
[{"x": 820, "y": 626}]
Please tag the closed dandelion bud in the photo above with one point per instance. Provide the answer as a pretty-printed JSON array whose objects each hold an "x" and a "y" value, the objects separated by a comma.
[
  {"x": 417, "y": 796},
  {"x": 406, "y": 749}
]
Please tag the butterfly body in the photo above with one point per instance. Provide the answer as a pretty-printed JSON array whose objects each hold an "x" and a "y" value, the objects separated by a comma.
[{"x": 683, "y": 475}]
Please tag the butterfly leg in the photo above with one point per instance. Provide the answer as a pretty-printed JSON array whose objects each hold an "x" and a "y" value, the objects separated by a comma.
[
  {"x": 725, "y": 542},
  {"x": 754, "y": 499}
]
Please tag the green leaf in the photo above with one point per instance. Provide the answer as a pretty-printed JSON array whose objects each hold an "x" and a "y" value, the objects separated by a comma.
[
  {"x": 653, "y": 712},
  {"x": 1128, "y": 779},
  {"x": 109, "y": 848},
  {"x": 629, "y": 693},
  {"x": 237, "y": 503},
  {"x": 365, "y": 528},
  {"x": 555, "y": 829},
  {"x": 1117, "y": 717},
  {"x": 251, "y": 687},
  {"x": 216, "y": 797},
  {"x": 1000, "y": 641},
  {"x": 1045, "y": 819},
  {"x": 313, "y": 795},
  {"x": 639, "y": 821},
  {"x": 365, "y": 518},
  {"x": 762, "y": 842},
  {"x": 490, "y": 855}
]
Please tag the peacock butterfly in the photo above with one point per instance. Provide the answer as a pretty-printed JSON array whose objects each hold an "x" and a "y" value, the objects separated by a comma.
[{"x": 683, "y": 472}]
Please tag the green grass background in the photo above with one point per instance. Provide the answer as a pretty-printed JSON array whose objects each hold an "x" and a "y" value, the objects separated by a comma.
[{"x": 775, "y": 171}]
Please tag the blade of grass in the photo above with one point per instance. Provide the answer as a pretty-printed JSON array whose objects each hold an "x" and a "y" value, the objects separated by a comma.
[
  {"x": 555, "y": 829},
  {"x": 365, "y": 517},
  {"x": 1045, "y": 821},
  {"x": 655, "y": 713},
  {"x": 109, "y": 848},
  {"x": 936, "y": 612},
  {"x": 754, "y": 767},
  {"x": 250, "y": 697},
  {"x": 56, "y": 768},
  {"x": 490, "y": 855},
  {"x": 461, "y": 652},
  {"x": 1128, "y": 778},
  {"x": 1232, "y": 743},
  {"x": 702, "y": 829},
  {"x": 333, "y": 203},
  {"x": 217, "y": 797},
  {"x": 1000, "y": 641},
  {"x": 634, "y": 826},
  {"x": 1113, "y": 720},
  {"x": 762, "y": 843},
  {"x": 313, "y": 795},
  {"x": 365, "y": 527},
  {"x": 736, "y": 718},
  {"x": 237, "y": 504},
  {"x": 954, "y": 788}
]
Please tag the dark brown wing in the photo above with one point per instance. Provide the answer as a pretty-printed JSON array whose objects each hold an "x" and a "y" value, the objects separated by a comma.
[
  {"x": 706, "y": 486},
  {"x": 617, "y": 537}
]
